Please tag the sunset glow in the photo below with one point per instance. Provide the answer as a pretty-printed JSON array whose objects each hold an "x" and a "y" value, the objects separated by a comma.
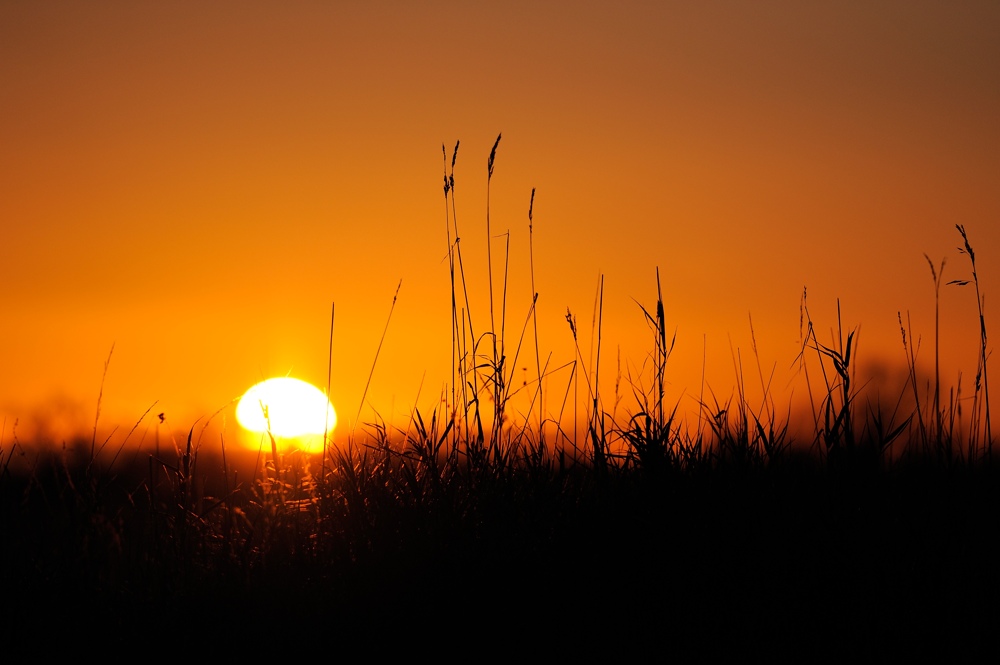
[{"x": 196, "y": 185}]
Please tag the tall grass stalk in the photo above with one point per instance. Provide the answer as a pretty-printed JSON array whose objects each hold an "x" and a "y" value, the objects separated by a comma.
[
  {"x": 378, "y": 350},
  {"x": 100, "y": 396},
  {"x": 579, "y": 368},
  {"x": 329, "y": 380},
  {"x": 937, "y": 276},
  {"x": 911, "y": 350},
  {"x": 534, "y": 315},
  {"x": 495, "y": 363},
  {"x": 466, "y": 378},
  {"x": 805, "y": 336},
  {"x": 980, "y": 406},
  {"x": 596, "y": 428}
]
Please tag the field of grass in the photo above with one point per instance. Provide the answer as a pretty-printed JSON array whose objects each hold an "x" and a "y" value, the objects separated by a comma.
[{"x": 470, "y": 534}]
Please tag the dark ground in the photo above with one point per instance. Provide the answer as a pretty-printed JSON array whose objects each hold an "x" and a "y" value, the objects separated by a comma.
[{"x": 798, "y": 564}]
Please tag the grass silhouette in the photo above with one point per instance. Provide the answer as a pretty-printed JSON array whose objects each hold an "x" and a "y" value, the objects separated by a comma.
[{"x": 873, "y": 538}]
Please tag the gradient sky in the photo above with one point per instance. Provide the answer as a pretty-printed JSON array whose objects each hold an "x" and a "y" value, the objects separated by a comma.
[{"x": 197, "y": 183}]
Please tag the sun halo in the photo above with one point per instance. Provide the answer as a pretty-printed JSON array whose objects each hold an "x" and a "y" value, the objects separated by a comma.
[{"x": 296, "y": 413}]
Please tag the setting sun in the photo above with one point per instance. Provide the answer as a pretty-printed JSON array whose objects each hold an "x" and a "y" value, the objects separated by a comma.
[{"x": 295, "y": 412}]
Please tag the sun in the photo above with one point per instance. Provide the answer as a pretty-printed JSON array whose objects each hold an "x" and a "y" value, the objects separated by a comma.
[{"x": 296, "y": 413}]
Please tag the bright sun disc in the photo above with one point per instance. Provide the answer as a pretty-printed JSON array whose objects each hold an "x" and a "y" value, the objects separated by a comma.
[{"x": 289, "y": 409}]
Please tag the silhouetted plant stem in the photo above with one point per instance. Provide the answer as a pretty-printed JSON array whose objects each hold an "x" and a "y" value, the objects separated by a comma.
[
  {"x": 597, "y": 430},
  {"x": 100, "y": 396},
  {"x": 378, "y": 350},
  {"x": 489, "y": 252},
  {"x": 466, "y": 358},
  {"x": 911, "y": 366},
  {"x": 937, "y": 276},
  {"x": 329, "y": 381},
  {"x": 534, "y": 314},
  {"x": 455, "y": 379},
  {"x": 982, "y": 376}
]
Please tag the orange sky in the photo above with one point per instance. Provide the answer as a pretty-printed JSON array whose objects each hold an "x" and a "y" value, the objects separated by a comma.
[{"x": 196, "y": 185}]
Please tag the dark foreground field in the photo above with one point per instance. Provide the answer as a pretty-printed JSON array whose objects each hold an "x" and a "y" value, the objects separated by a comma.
[{"x": 791, "y": 558}]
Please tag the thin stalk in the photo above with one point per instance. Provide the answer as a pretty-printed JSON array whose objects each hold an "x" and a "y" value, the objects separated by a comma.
[
  {"x": 911, "y": 364},
  {"x": 466, "y": 317},
  {"x": 489, "y": 241},
  {"x": 501, "y": 382},
  {"x": 329, "y": 381},
  {"x": 982, "y": 376},
  {"x": 534, "y": 312},
  {"x": 937, "y": 276},
  {"x": 364, "y": 394},
  {"x": 451, "y": 276},
  {"x": 100, "y": 396},
  {"x": 495, "y": 361},
  {"x": 600, "y": 458}
]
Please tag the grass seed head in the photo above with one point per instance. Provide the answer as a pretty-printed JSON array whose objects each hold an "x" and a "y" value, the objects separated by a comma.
[{"x": 493, "y": 155}]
